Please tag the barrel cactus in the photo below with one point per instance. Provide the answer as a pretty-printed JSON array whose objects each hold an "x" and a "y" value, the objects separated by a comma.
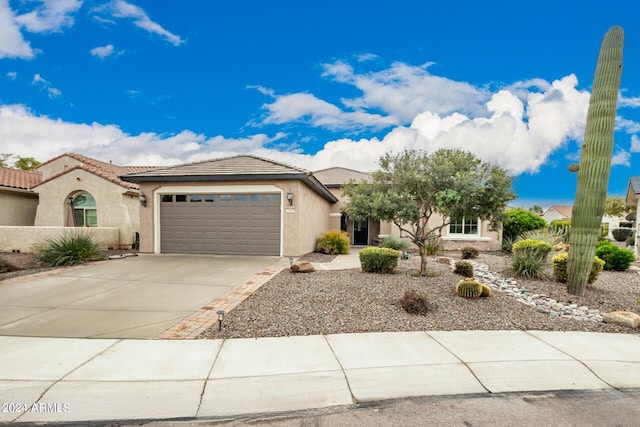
[
  {"x": 469, "y": 287},
  {"x": 595, "y": 162}
]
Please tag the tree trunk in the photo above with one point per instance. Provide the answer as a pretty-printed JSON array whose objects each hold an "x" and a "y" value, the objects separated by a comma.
[{"x": 423, "y": 260}]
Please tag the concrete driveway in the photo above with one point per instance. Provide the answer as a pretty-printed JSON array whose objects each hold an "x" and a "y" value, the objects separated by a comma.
[{"x": 134, "y": 297}]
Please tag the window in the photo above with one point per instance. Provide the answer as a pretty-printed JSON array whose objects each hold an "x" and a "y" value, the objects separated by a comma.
[
  {"x": 464, "y": 226},
  {"x": 84, "y": 210},
  {"x": 195, "y": 198},
  {"x": 167, "y": 198},
  {"x": 209, "y": 198},
  {"x": 181, "y": 197}
]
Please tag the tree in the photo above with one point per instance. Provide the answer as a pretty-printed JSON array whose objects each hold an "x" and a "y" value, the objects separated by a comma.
[
  {"x": 4, "y": 159},
  {"x": 413, "y": 187},
  {"x": 536, "y": 209},
  {"x": 26, "y": 163},
  {"x": 518, "y": 220},
  {"x": 616, "y": 206}
]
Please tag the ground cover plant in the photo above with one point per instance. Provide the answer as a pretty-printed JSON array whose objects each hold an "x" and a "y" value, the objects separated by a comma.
[
  {"x": 70, "y": 248},
  {"x": 333, "y": 242}
]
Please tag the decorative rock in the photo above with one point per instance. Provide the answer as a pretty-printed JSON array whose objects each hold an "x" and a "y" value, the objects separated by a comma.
[
  {"x": 443, "y": 260},
  {"x": 625, "y": 318},
  {"x": 302, "y": 267}
]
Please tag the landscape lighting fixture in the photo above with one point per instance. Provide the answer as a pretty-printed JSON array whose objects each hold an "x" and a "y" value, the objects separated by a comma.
[
  {"x": 143, "y": 199},
  {"x": 220, "y": 319},
  {"x": 290, "y": 197}
]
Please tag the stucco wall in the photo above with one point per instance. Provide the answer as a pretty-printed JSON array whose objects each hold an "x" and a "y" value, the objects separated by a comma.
[
  {"x": 18, "y": 208},
  {"x": 23, "y": 239},
  {"x": 116, "y": 207},
  {"x": 302, "y": 222}
]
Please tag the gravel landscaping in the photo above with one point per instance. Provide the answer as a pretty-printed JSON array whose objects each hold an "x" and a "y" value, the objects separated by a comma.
[{"x": 349, "y": 301}]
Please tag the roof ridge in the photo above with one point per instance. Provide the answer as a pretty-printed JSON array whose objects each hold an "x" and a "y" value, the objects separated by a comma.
[{"x": 342, "y": 167}]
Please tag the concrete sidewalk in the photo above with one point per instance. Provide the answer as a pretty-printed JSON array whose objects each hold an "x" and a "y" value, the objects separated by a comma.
[{"x": 80, "y": 380}]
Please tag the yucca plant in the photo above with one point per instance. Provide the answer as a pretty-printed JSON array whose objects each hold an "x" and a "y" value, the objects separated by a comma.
[{"x": 70, "y": 248}]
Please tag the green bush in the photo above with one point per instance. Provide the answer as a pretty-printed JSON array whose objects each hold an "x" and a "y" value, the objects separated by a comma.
[
  {"x": 529, "y": 258},
  {"x": 464, "y": 268},
  {"x": 519, "y": 220},
  {"x": 391, "y": 242},
  {"x": 614, "y": 258},
  {"x": 560, "y": 267},
  {"x": 469, "y": 252},
  {"x": 334, "y": 242},
  {"x": 621, "y": 234},
  {"x": 379, "y": 260},
  {"x": 71, "y": 248},
  {"x": 534, "y": 247}
]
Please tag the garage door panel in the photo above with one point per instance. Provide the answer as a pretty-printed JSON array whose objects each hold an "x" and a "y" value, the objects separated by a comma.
[{"x": 232, "y": 224}]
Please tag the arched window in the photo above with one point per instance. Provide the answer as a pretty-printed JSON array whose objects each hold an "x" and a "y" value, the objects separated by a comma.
[{"x": 84, "y": 210}]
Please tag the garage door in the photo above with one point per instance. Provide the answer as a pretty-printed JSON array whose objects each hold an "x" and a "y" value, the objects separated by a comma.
[{"x": 221, "y": 224}]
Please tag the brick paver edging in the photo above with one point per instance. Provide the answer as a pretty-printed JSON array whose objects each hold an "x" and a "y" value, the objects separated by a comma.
[{"x": 192, "y": 326}]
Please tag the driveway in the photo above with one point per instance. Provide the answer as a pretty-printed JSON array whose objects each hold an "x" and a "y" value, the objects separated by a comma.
[{"x": 134, "y": 297}]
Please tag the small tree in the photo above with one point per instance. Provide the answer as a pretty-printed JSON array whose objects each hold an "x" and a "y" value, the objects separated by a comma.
[
  {"x": 4, "y": 159},
  {"x": 26, "y": 163},
  {"x": 413, "y": 187},
  {"x": 616, "y": 206}
]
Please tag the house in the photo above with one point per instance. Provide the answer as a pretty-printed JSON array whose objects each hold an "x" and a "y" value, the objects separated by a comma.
[
  {"x": 70, "y": 190},
  {"x": 556, "y": 213},
  {"x": 564, "y": 213},
  {"x": 249, "y": 205},
  {"x": 18, "y": 203},
  {"x": 633, "y": 199}
]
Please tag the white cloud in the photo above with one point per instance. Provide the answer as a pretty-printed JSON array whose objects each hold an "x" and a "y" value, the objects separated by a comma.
[
  {"x": 633, "y": 102},
  {"x": 12, "y": 44},
  {"x": 50, "y": 15},
  {"x": 621, "y": 158},
  {"x": 123, "y": 9},
  {"x": 635, "y": 144},
  {"x": 12, "y": 75},
  {"x": 403, "y": 91},
  {"x": 304, "y": 107},
  {"x": 38, "y": 80},
  {"x": 102, "y": 51}
]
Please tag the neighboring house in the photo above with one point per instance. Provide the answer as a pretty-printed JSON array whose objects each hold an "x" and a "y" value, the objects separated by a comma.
[
  {"x": 564, "y": 213},
  {"x": 256, "y": 206},
  {"x": 633, "y": 198},
  {"x": 18, "y": 203},
  {"x": 555, "y": 213}
]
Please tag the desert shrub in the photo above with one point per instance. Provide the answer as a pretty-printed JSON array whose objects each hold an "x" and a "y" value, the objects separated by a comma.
[
  {"x": 529, "y": 258},
  {"x": 432, "y": 246},
  {"x": 559, "y": 263},
  {"x": 621, "y": 234},
  {"x": 334, "y": 242},
  {"x": 379, "y": 260},
  {"x": 71, "y": 248},
  {"x": 391, "y": 242},
  {"x": 561, "y": 228},
  {"x": 544, "y": 235},
  {"x": 519, "y": 220},
  {"x": 469, "y": 252},
  {"x": 414, "y": 302},
  {"x": 534, "y": 247},
  {"x": 614, "y": 258},
  {"x": 6, "y": 266},
  {"x": 464, "y": 268}
]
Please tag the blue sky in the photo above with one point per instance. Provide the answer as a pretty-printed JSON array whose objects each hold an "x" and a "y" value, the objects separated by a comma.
[{"x": 316, "y": 83}]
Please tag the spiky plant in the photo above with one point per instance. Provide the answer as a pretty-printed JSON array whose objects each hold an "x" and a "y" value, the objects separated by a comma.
[
  {"x": 469, "y": 287},
  {"x": 595, "y": 162}
]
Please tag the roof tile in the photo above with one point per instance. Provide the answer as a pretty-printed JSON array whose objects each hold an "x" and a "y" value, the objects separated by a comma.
[{"x": 16, "y": 178}]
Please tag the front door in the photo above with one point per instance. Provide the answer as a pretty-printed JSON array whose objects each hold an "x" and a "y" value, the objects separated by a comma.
[{"x": 361, "y": 233}]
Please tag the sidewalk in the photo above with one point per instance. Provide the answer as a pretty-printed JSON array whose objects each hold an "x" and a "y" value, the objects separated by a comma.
[{"x": 91, "y": 380}]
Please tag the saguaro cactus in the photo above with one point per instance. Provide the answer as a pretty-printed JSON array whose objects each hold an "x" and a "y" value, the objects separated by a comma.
[{"x": 595, "y": 162}]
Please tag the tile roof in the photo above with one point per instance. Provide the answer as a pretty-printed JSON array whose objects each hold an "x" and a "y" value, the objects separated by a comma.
[
  {"x": 634, "y": 181},
  {"x": 104, "y": 170},
  {"x": 237, "y": 168},
  {"x": 227, "y": 166},
  {"x": 337, "y": 177},
  {"x": 565, "y": 211},
  {"x": 19, "y": 179}
]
